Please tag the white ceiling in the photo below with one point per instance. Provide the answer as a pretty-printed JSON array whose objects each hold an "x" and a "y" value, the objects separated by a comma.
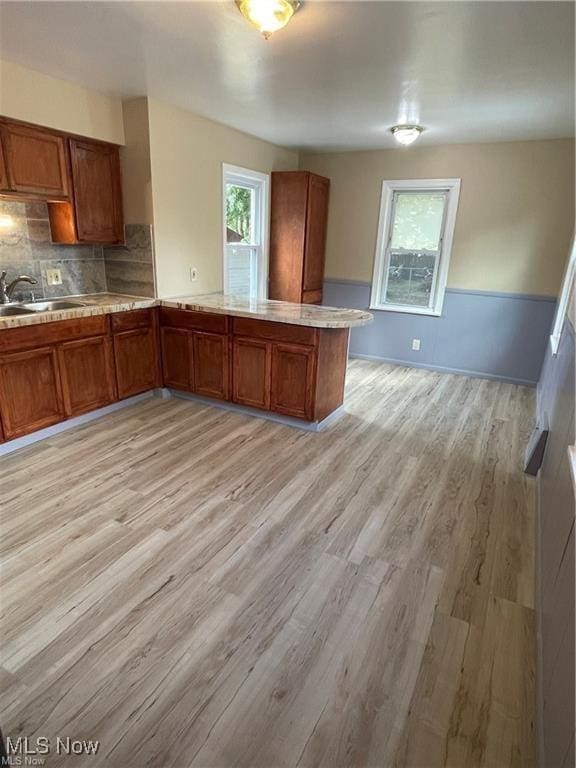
[{"x": 338, "y": 76}]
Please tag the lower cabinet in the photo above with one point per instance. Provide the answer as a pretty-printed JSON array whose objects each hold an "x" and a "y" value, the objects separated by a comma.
[
  {"x": 273, "y": 376},
  {"x": 196, "y": 361},
  {"x": 251, "y": 372},
  {"x": 136, "y": 361},
  {"x": 30, "y": 391},
  {"x": 210, "y": 364},
  {"x": 177, "y": 358},
  {"x": 52, "y": 372},
  {"x": 67, "y": 368},
  {"x": 292, "y": 382},
  {"x": 87, "y": 373}
]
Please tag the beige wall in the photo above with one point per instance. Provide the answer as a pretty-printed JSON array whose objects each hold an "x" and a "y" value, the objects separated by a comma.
[
  {"x": 514, "y": 222},
  {"x": 136, "y": 170},
  {"x": 187, "y": 153},
  {"x": 44, "y": 100}
]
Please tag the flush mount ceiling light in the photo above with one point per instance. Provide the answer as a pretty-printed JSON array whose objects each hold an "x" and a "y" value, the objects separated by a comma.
[
  {"x": 406, "y": 134},
  {"x": 268, "y": 15}
]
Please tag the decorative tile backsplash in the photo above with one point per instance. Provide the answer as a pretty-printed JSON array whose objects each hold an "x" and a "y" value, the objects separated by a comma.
[
  {"x": 25, "y": 248},
  {"x": 130, "y": 267}
]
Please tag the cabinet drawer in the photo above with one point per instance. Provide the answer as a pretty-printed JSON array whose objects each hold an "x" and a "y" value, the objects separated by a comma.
[
  {"x": 30, "y": 336},
  {"x": 262, "y": 329},
  {"x": 130, "y": 321},
  {"x": 195, "y": 321}
]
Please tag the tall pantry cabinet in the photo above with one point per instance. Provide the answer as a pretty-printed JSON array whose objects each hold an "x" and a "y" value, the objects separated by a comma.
[{"x": 299, "y": 216}]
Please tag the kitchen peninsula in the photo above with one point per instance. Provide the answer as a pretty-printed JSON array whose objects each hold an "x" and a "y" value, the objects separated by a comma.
[{"x": 287, "y": 359}]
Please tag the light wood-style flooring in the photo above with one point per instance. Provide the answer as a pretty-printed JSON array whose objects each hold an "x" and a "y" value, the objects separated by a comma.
[{"x": 198, "y": 588}]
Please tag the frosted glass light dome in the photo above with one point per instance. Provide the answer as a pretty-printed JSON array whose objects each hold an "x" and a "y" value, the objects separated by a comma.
[{"x": 406, "y": 134}]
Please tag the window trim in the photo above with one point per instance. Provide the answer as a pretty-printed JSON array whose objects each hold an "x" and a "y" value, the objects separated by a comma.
[
  {"x": 452, "y": 186},
  {"x": 564, "y": 298},
  {"x": 261, "y": 181}
]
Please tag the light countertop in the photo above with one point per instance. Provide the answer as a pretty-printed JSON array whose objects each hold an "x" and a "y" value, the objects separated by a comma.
[
  {"x": 276, "y": 311},
  {"x": 96, "y": 304}
]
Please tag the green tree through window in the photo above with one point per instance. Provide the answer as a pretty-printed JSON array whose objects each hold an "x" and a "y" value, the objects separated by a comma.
[{"x": 238, "y": 213}]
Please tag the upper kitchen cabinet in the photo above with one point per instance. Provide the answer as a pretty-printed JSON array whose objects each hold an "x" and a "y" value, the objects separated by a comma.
[
  {"x": 299, "y": 217},
  {"x": 94, "y": 215},
  {"x": 3, "y": 174},
  {"x": 35, "y": 161},
  {"x": 97, "y": 191},
  {"x": 78, "y": 178}
]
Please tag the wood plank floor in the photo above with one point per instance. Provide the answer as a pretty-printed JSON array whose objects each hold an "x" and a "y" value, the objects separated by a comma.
[{"x": 195, "y": 588}]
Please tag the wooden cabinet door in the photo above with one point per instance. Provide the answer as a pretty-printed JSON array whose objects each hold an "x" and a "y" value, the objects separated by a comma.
[
  {"x": 136, "y": 361},
  {"x": 177, "y": 358},
  {"x": 36, "y": 160},
  {"x": 287, "y": 234},
  {"x": 87, "y": 372},
  {"x": 251, "y": 372},
  {"x": 292, "y": 380},
  {"x": 3, "y": 172},
  {"x": 30, "y": 391},
  {"x": 97, "y": 192},
  {"x": 316, "y": 223},
  {"x": 210, "y": 364}
]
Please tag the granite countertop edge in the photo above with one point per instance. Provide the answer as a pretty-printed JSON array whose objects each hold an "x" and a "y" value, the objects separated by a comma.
[{"x": 267, "y": 310}]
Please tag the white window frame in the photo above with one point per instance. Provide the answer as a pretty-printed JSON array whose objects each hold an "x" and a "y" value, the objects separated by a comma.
[
  {"x": 381, "y": 258},
  {"x": 246, "y": 177},
  {"x": 564, "y": 298}
]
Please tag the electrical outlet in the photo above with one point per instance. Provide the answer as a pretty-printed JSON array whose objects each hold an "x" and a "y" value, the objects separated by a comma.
[
  {"x": 53, "y": 277},
  {"x": 193, "y": 274},
  {"x": 416, "y": 345}
]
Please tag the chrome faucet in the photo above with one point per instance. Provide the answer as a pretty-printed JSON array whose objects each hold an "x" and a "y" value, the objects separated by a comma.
[{"x": 7, "y": 289}]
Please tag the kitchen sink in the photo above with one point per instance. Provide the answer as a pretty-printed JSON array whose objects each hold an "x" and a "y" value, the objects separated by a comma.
[
  {"x": 11, "y": 310},
  {"x": 52, "y": 306}
]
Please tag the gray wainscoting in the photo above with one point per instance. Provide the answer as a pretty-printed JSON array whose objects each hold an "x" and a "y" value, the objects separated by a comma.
[
  {"x": 493, "y": 335},
  {"x": 555, "y": 558}
]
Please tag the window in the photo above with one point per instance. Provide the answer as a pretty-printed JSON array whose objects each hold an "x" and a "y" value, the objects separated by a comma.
[
  {"x": 414, "y": 242},
  {"x": 245, "y": 216},
  {"x": 564, "y": 298}
]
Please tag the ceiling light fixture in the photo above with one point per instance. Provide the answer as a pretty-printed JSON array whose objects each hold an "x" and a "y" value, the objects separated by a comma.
[
  {"x": 268, "y": 15},
  {"x": 406, "y": 134}
]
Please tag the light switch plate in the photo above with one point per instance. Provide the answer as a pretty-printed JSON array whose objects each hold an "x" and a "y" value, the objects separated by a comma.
[
  {"x": 416, "y": 345},
  {"x": 53, "y": 277}
]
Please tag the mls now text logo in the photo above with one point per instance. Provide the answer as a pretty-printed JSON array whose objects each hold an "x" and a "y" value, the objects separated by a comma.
[{"x": 26, "y": 751}]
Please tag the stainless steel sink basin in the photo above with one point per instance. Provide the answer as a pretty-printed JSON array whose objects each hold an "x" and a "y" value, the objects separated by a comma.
[
  {"x": 52, "y": 306},
  {"x": 10, "y": 310}
]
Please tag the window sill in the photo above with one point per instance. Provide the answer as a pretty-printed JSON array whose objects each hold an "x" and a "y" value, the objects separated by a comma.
[{"x": 406, "y": 310}]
